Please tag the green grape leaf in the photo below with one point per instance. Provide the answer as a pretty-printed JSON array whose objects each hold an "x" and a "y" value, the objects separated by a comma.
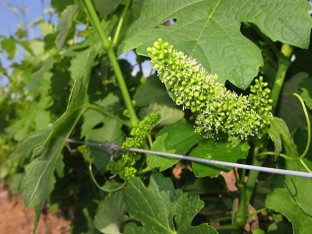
[
  {"x": 100, "y": 128},
  {"x": 34, "y": 117},
  {"x": 223, "y": 151},
  {"x": 280, "y": 135},
  {"x": 209, "y": 31},
  {"x": 293, "y": 201},
  {"x": 76, "y": 69},
  {"x": 60, "y": 5},
  {"x": 9, "y": 45},
  {"x": 160, "y": 208},
  {"x": 24, "y": 149},
  {"x": 151, "y": 91},
  {"x": 96, "y": 156},
  {"x": 169, "y": 114},
  {"x": 106, "y": 7},
  {"x": 39, "y": 179},
  {"x": 41, "y": 78},
  {"x": 280, "y": 227},
  {"x": 65, "y": 24},
  {"x": 175, "y": 138},
  {"x": 109, "y": 214},
  {"x": 306, "y": 94},
  {"x": 289, "y": 107}
]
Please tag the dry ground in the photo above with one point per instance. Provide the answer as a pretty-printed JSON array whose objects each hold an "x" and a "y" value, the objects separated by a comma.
[{"x": 16, "y": 219}]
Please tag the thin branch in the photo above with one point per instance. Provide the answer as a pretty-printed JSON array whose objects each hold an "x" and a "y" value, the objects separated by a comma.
[
  {"x": 108, "y": 46},
  {"x": 121, "y": 21},
  {"x": 308, "y": 126}
]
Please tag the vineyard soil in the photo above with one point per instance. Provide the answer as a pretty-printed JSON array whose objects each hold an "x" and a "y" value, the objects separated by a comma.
[{"x": 15, "y": 218}]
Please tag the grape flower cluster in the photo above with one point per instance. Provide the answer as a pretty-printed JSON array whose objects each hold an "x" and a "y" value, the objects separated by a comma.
[
  {"x": 219, "y": 111},
  {"x": 125, "y": 166}
]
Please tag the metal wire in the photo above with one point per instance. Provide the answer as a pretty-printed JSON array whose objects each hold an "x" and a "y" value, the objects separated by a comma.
[
  {"x": 112, "y": 148},
  {"x": 222, "y": 163}
]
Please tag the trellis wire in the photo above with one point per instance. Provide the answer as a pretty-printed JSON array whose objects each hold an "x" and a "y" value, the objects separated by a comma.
[
  {"x": 113, "y": 148},
  {"x": 222, "y": 163}
]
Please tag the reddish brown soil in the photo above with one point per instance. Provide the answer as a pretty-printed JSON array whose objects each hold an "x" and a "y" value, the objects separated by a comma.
[{"x": 15, "y": 218}]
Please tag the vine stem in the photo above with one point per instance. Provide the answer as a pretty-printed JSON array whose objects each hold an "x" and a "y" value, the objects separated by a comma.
[
  {"x": 102, "y": 187},
  {"x": 283, "y": 63},
  {"x": 107, "y": 113},
  {"x": 120, "y": 23},
  {"x": 308, "y": 126},
  {"x": 108, "y": 46}
]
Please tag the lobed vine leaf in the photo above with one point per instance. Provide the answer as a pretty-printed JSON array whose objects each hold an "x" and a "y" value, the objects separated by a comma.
[
  {"x": 224, "y": 151},
  {"x": 280, "y": 135},
  {"x": 109, "y": 216},
  {"x": 175, "y": 138},
  {"x": 106, "y": 7},
  {"x": 289, "y": 107},
  {"x": 306, "y": 94},
  {"x": 209, "y": 31},
  {"x": 100, "y": 128},
  {"x": 151, "y": 91},
  {"x": 296, "y": 194},
  {"x": 39, "y": 180},
  {"x": 160, "y": 208},
  {"x": 65, "y": 24},
  {"x": 169, "y": 114}
]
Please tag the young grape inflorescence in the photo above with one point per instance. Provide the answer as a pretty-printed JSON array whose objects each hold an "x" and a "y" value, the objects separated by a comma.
[
  {"x": 125, "y": 166},
  {"x": 219, "y": 111}
]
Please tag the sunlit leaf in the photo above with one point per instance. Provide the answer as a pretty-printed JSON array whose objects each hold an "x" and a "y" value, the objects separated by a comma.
[
  {"x": 9, "y": 45},
  {"x": 209, "y": 31},
  {"x": 175, "y": 138},
  {"x": 223, "y": 151}
]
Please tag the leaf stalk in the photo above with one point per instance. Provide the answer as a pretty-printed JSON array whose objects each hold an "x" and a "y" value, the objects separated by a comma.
[
  {"x": 120, "y": 23},
  {"x": 283, "y": 63},
  {"x": 108, "y": 46}
]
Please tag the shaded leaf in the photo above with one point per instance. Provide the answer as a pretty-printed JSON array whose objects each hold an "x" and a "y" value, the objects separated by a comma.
[
  {"x": 224, "y": 151},
  {"x": 280, "y": 135},
  {"x": 106, "y": 7},
  {"x": 289, "y": 107},
  {"x": 41, "y": 77},
  {"x": 109, "y": 215},
  {"x": 160, "y": 208},
  {"x": 306, "y": 94},
  {"x": 98, "y": 127},
  {"x": 34, "y": 142},
  {"x": 175, "y": 138},
  {"x": 60, "y": 5},
  {"x": 209, "y": 31},
  {"x": 151, "y": 91}
]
